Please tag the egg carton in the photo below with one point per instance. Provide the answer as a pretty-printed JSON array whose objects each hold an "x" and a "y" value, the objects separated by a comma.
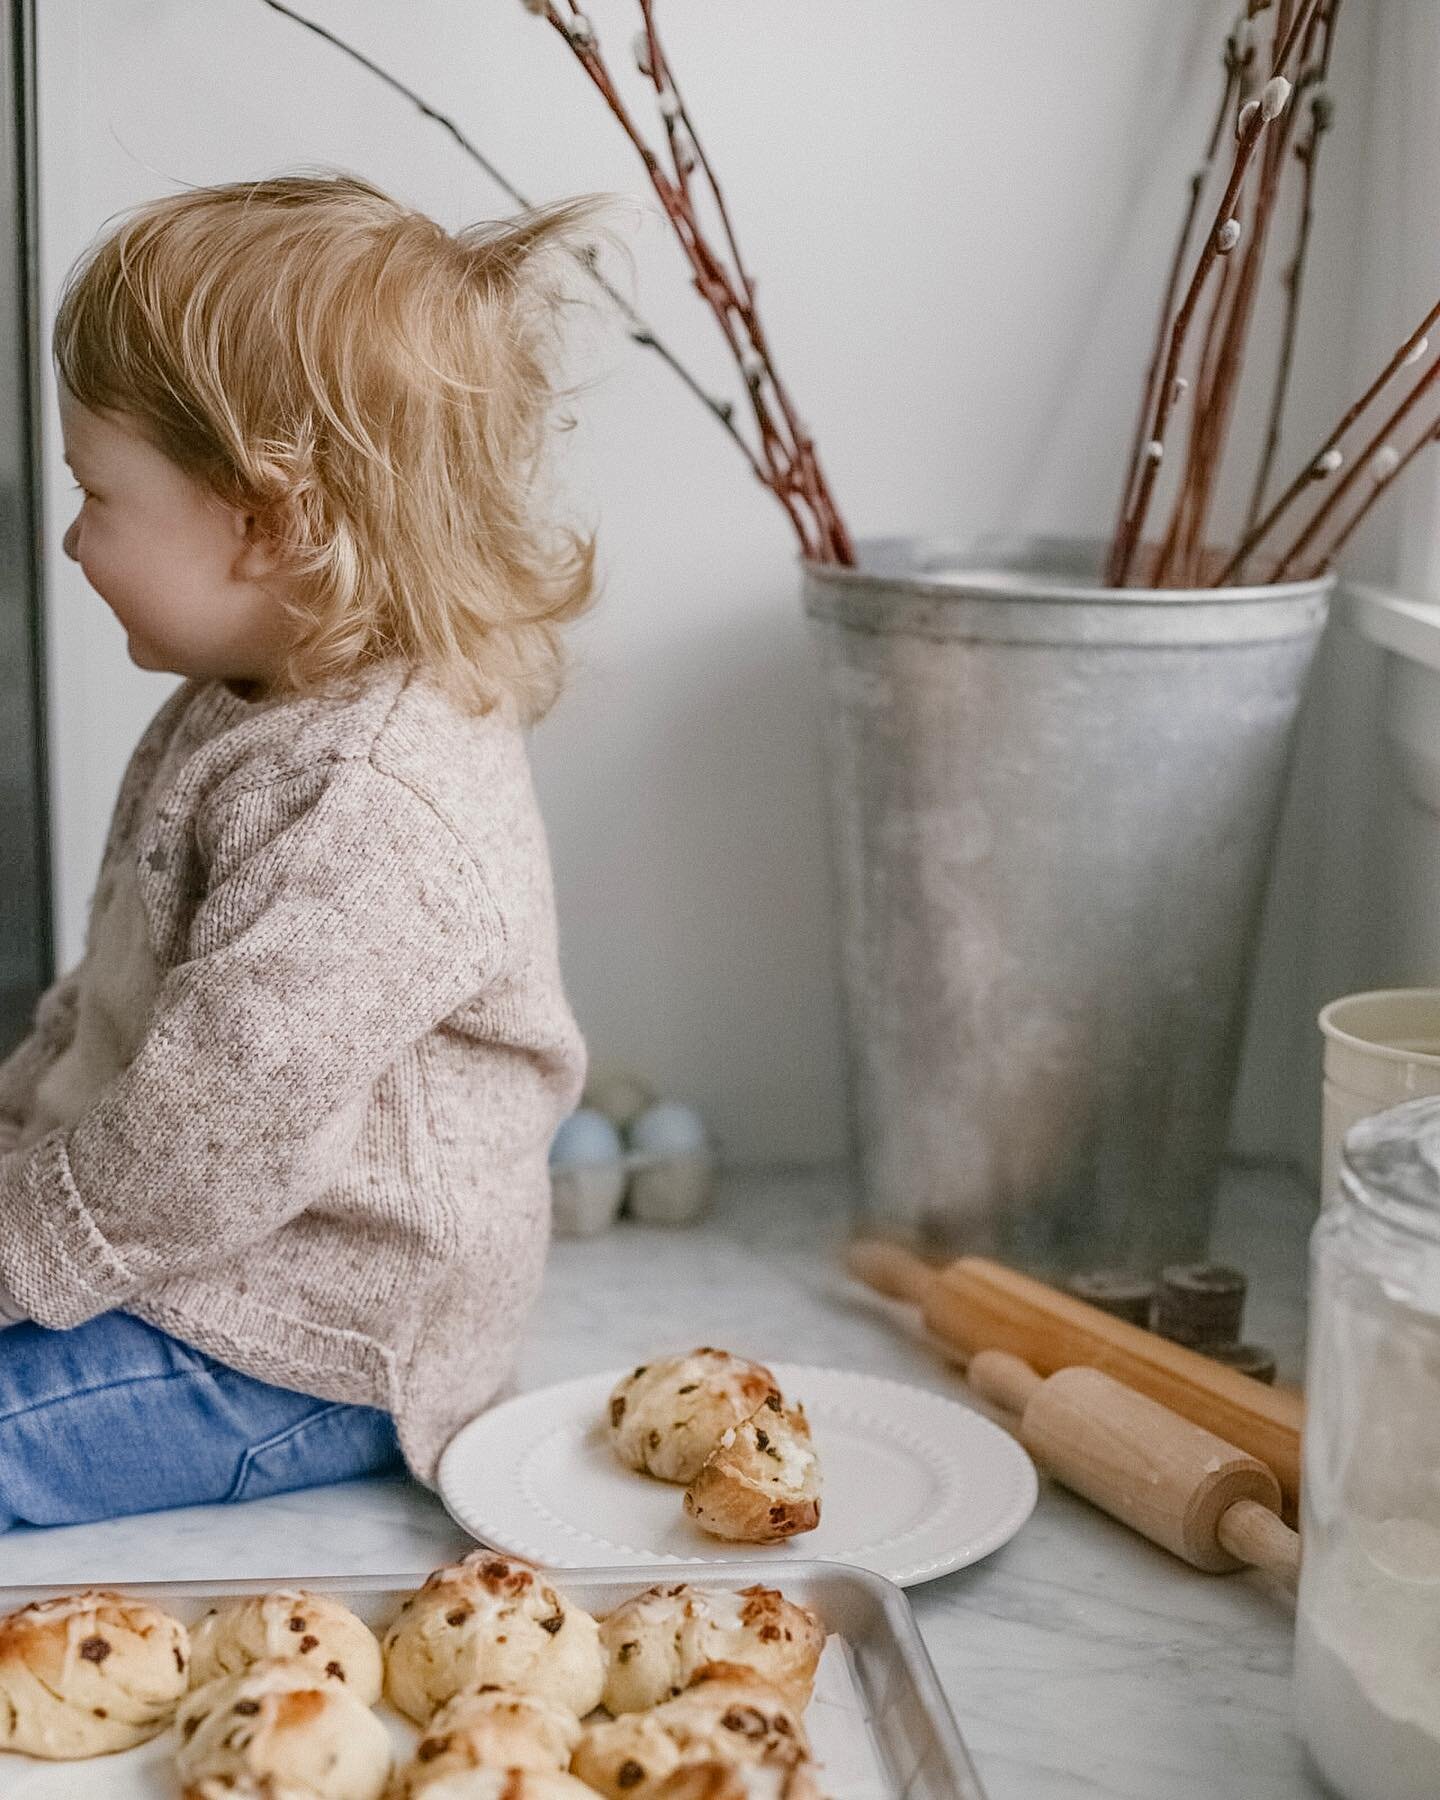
[{"x": 627, "y": 1149}]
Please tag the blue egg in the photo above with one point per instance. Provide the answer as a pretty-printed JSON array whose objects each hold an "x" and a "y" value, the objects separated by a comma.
[
  {"x": 668, "y": 1129},
  {"x": 587, "y": 1137}
]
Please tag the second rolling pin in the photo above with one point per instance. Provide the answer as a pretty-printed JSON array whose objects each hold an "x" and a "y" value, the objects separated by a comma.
[
  {"x": 973, "y": 1304},
  {"x": 1175, "y": 1483}
]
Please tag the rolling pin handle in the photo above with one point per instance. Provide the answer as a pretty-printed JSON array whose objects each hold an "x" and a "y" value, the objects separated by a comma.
[
  {"x": 1254, "y": 1534},
  {"x": 890, "y": 1270},
  {"x": 1003, "y": 1379}
]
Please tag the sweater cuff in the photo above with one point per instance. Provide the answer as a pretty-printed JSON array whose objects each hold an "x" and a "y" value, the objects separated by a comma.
[{"x": 55, "y": 1264}]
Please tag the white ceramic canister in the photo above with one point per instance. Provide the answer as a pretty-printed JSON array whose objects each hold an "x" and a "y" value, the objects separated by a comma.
[{"x": 1381, "y": 1049}]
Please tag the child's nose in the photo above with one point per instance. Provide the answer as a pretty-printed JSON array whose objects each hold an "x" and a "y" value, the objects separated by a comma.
[{"x": 71, "y": 540}]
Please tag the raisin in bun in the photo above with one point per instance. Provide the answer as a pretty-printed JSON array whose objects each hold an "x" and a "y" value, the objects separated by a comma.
[
  {"x": 503, "y": 1784},
  {"x": 658, "y": 1640},
  {"x": 292, "y": 1624},
  {"x": 727, "y": 1714},
  {"x": 491, "y": 1619},
  {"x": 738, "y": 1781},
  {"x": 762, "y": 1483},
  {"x": 491, "y": 1727},
  {"x": 286, "y": 1723},
  {"x": 88, "y": 1673},
  {"x": 666, "y": 1417}
]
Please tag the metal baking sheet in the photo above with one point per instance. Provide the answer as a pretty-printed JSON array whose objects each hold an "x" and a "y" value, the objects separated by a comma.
[{"x": 879, "y": 1723}]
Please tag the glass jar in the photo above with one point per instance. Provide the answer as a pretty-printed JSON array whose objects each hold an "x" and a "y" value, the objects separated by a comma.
[{"x": 1367, "y": 1649}]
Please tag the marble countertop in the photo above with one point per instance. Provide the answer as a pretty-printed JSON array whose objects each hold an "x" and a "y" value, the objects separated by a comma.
[{"x": 1080, "y": 1661}]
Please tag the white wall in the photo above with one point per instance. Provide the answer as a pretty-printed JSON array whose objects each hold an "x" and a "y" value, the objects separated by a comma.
[{"x": 959, "y": 213}]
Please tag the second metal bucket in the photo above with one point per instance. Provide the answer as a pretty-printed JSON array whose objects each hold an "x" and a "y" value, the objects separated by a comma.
[{"x": 1052, "y": 807}]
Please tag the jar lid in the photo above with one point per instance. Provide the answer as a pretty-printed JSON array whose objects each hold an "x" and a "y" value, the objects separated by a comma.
[{"x": 1394, "y": 1157}]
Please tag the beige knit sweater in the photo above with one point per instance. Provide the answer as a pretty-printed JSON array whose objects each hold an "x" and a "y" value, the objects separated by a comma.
[{"x": 294, "y": 1104}]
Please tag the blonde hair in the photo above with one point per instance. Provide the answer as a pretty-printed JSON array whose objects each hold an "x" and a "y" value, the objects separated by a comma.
[{"x": 377, "y": 391}]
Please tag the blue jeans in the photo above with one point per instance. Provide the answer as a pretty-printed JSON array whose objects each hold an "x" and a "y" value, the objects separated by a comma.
[{"x": 115, "y": 1417}]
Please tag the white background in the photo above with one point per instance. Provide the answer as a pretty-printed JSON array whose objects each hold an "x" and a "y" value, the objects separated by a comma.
[{"x": 959, "y": 214}]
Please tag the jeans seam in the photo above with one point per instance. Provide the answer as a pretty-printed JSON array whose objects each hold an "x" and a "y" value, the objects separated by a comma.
[
  {"x": 100, "y": 1387},
  {"x": 279, "y": 1437}
]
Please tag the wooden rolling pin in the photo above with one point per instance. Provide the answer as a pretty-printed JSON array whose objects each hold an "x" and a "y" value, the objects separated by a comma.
[
  {"x": 973, "y": 1304},
  {"x": 1175, "y": 1483}
]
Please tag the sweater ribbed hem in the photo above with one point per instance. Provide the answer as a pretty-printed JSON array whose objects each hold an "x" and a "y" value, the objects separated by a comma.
[
  {"x": 321, "y": 1360},
  {"x": 237, "y": 1329},
  {"x": 70, "y": 1272}
]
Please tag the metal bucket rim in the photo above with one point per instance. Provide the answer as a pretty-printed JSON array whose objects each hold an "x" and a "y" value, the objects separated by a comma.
[{"x": 1040, "y": 588}]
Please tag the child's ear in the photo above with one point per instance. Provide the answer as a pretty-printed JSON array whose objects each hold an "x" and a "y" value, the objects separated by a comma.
[{"x": 257, "y": 555}]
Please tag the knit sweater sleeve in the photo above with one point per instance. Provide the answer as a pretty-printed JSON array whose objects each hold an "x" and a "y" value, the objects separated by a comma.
[
  {"x": 334, "y": 929},
  {"x": 52, "y": 1029}
]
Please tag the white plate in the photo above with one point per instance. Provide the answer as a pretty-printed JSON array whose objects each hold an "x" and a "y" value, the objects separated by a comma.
[{"x": 913, "y": 1485}]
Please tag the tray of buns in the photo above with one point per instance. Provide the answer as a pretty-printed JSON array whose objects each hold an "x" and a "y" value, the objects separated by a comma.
[{"x": 492, "y": 1680}]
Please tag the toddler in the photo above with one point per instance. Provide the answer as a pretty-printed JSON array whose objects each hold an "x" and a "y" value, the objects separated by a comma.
[{"x": 273, "y": 1159}]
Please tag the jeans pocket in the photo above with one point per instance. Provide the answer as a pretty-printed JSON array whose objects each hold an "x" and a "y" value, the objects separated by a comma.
[{"x": 336, "y": 1442}]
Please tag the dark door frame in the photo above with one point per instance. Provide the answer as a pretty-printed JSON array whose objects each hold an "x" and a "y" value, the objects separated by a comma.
[{"x": 26, "y": 899}]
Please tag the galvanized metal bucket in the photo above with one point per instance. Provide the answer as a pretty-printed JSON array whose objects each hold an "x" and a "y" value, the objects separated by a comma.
[{"x": 1052, "y": 809}]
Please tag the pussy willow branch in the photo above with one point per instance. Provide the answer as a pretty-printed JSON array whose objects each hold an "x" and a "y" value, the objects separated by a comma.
[
  {"x": 1131, "y": 534},
  {"x": 1220, "y": 391},
  {"x": 1199, "y": 386},
  {"x": 710, "y": 278},
  {"x": 1205, "y": 385},
  {"x": 1134, "y": 526},
  {"x": 1232, "y": 63},
  {"x": 685, "y": 141},
  {"x": 792, "y": 468},
  {"x": 1183, "y": 552},
  {"x": 640, "y": 332},
  {"x": 1364, "y": 461},
  {"x": 1307, "y": 152},
  {"x": 1242, "y": 46},
  {"x": 1237, "y": 63},
  {"x": 662, "y": 73},
  {"x": 1429, "y": 436},
  {"x": 1211, "y": 386},
  {"x": 1315, "y": 468}
]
